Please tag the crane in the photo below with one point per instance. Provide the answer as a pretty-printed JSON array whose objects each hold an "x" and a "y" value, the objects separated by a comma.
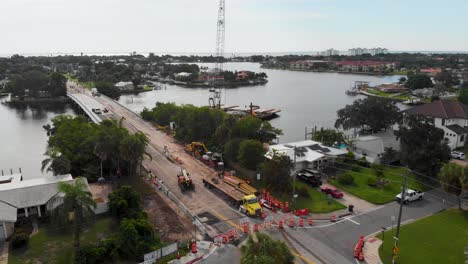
[{"x": 215, "y": 92}]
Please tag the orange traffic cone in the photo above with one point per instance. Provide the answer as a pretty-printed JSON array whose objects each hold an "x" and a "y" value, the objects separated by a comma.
[{"x": 194, "y": 247}]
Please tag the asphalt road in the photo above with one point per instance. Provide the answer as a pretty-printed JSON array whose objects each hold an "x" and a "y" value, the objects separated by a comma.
[{"x": 335, "y": 243}]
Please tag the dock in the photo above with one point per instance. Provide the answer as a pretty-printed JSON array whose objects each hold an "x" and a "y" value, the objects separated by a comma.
[{"x": 253, "y": 110}]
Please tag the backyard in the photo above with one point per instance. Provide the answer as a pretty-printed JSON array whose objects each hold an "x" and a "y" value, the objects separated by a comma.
[
  {"x": 376, "y": 195},
  {"x": 53, "y": 245},
  {"x": 440, "y": 238}
]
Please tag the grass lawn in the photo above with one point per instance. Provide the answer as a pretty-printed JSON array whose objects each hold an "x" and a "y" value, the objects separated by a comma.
[
  {"x": 440, "y": 238},
  {"x": 52, "y": 245},
  {"x": 401, "y": 97},
  {"x": 317, "y": 202},
  {"x": 383, "y": 195}
]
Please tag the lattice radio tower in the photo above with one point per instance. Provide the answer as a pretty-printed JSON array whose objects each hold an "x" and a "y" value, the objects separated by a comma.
[{"x": 215, "y": 92}]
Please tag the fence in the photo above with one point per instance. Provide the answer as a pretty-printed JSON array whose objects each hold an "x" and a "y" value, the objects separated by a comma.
[{"x": 160, "y": 253}]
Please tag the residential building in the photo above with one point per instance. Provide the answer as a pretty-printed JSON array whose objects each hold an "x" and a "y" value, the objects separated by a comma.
[
  {"x": 125, "y": 86},
  {"x": 361, "y": 51},
  {"x": 448, "y": 115},
  {"x": 364, "y": 66},
  {"x": 431, "y": 71},
  {"x": 309, "y": 154},
  {"x": 391, "y": 88},
  {"x": 373, "y": 146},
  {"x": 425, "y": 92},
  {"x": 24, "y": 198},
  {"x": 183, "y": 76}
]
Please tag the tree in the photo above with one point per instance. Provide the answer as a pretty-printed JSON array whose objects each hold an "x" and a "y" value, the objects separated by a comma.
[
  {"x": 231, "y": 149},
  {"x": 328, "y": 137},
  {"x": 374, "y": 112},
  {"x": 265, "y": 251},
  {"x": 422, "y": 146},
  {"x": 77, "y": 207},
  {"x": 251, "y": 153},
  {"x": 450, "y": 176},
  {"x": 125, "y": 202},
  {"x": 276, "y": 173},
  {"x": 389, "y": 155},
  {"x": 57, "y": 84},
  {"x": 447, "y": 78},
  {"x": 418, "y": 81},
  {"x": 132, "y": 148},
  {"x": 463, "y": 96},
  {"x": 108, "y": 89},
  {"x": 55, "y": 163},
  {"x": 402, "y": 80},
  {"x": 136, "y": 237}
]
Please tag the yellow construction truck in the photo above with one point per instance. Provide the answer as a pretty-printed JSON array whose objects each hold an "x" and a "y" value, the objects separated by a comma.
[{"x": 250, "y": 206}]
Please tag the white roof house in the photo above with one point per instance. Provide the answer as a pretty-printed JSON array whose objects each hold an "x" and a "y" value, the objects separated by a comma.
[
  {"x": 309, "y": 153},
  {"x": 124, "y": 86},
  {"x": 24, "y": 198}
]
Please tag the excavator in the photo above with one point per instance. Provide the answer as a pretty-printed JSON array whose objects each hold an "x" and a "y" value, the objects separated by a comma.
[
  {"x": 184, "y": 180},
  {"x": 200, "y": 151}
]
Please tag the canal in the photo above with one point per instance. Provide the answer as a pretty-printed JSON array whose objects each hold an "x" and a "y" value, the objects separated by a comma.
[{"x": 305, "y": 99}]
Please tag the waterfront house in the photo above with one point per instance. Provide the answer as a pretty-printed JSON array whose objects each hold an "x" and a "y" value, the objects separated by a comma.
[
  {"x": 424, "y": 93},
  {"x": 183, "y": 76},
  {"x": 364, "y": 66},
  {"x": 309, "y": 154},
  {"x": 125, "y": 86},
  {"x": 373, "y": 146},
  {"x": 431, "y": 71},
  {"x": 391, "y": 88},
  {"x": 450, "y": 116},
  {"x": 25, "y": 198}
]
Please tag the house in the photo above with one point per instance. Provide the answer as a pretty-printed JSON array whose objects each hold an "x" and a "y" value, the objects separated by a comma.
[
  {"x": 125, "y": 86},
  {"x": 450, "y": 116},
  {"x": 431, "y": 71},
  {"x": 364, "y": 66},
  {"x": 183, "y": 76},
  {"x": 243, "y": 75},
  {"x": 309, "y": 154},
  {"x": 424, "y": 93},
  {"x": 24, "y": 198},
  {"x": 391, "y": 88},
  {"x": 373, "y": 146}
]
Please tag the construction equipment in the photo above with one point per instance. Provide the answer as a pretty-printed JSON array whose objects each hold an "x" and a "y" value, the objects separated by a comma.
[
  {"x": 250, "y": 206},
  {"x": 184, "y": 180},
  {"x": 197, "y": 149},
  {"x": 215, "y": 93}
]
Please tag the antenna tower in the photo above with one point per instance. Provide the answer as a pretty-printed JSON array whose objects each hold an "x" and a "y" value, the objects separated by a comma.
[{"x": 215, "y": 93}]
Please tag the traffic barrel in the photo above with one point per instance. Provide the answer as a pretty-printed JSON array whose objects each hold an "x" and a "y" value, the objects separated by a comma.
[
  {"x": 256, "y": 228},
  {"x": 246, "y": 228},
  {"x": 224, "y": 239},
  {"x": 194, "y": 247},
  {"x": 301, "y": 222},
  {"x": 280, "y": 224},
  {"x": 310, "y": 221},
  {"x": 333, "y": 218},
  {"x": 291, "y": 223},
  {"x": 361, "y": 256}
]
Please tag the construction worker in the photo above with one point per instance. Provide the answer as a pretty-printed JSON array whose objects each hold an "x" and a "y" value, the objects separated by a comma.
[{"x": 150, "y": 175}]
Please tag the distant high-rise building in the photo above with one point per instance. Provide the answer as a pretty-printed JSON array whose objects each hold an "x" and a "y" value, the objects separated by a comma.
[
  {"x": 329, "y": 52},
  {"x": 360, "y": 51}
]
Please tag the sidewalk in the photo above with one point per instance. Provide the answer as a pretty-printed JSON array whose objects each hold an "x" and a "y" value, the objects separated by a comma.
[
  {"x": 4, "y": 252},
  {"x": 371, "y": 250}
]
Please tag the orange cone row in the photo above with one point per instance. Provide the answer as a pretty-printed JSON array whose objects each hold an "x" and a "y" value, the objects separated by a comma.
[{"x": 358, "y": 254}]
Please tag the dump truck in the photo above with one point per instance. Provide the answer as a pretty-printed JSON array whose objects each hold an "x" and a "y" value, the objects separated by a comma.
[{"x": 184, "y": 180}]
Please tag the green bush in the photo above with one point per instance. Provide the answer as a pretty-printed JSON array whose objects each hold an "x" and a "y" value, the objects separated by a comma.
[
  {"x": 346, "y": 179},
  {"x": 91, "y": 254},
  {"x": 19, "y": 240},
  {"x": 355, "y": 168},
  {"x": 363, "y": 162},
  {"x": 302, "y": 191},
  {"x": 372, "y": 181}
]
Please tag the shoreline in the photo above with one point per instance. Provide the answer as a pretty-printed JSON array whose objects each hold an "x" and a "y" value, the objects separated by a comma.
[{"x": 318, "y": 71}]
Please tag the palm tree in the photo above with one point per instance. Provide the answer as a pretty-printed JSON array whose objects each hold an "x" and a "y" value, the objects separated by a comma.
[
  {"x": 77, "y": 206},
  {"x": 56, "y": 163},
  {"x": 132, "y": 149}
]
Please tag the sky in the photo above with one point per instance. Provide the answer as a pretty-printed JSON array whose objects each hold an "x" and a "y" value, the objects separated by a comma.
[{"x": 189, "y": 26}]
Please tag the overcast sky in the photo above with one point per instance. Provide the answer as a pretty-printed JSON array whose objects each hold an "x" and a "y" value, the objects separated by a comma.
[{"x": 164, "y": 26}]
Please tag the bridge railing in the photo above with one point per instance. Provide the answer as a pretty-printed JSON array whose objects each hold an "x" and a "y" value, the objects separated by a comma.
[{"x": 93, "y": 116}]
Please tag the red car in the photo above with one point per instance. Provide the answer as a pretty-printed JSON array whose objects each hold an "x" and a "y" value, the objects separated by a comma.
[{"x": 332, "y": 191}]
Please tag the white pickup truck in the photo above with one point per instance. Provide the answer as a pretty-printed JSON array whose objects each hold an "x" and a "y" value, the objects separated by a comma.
[{"x": 410, "y": 196}]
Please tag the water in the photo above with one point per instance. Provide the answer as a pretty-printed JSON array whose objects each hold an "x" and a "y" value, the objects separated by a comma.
[
  {"x": 305, "y": 98},
  {"x": 23, "y": 140}
]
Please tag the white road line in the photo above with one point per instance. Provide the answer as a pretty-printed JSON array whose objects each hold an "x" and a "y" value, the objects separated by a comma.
[{"x": 351, "y": 220}]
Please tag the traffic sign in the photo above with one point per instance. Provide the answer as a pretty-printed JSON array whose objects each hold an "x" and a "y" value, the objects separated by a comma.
[{"x": 395, "y": 250}]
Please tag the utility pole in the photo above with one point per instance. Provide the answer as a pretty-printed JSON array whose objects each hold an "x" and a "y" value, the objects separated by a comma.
[
  {"x": 294, "y": 179},
  {"x": 397, "y": 235}
]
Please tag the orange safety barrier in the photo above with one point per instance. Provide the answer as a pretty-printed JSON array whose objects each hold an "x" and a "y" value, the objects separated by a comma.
[
  {"x": 194, "y": 247},
  {"x": 301, "y": 222},
  {"x": 255, "y": 228},
  {"x": 291, "y": 223},
  {"x": 361, "y": 256},
  {"x": 246, "y": 228},
  {"x": 310, "y": 221}
]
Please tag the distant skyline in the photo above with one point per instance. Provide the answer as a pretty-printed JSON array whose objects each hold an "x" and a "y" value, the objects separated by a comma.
[{"x": 252, "y": 26}]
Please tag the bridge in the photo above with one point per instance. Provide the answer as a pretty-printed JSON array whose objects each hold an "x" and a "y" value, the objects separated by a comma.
[{"x": 87, "y": 104}]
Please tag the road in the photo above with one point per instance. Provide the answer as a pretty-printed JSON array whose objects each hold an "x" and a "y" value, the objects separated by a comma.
[
  {"x": 323, "y": 243},
  {"x": 218, "y": 215}
]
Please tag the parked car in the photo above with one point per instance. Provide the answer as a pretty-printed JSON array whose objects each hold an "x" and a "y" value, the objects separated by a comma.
[
  {"x": 309, "y": 176},
  {"x": 410, "y": 196},
  {"x": 457, "y": 155},
  {"x": 97, "y": 111},
  {"x": 335, "y": 193}
]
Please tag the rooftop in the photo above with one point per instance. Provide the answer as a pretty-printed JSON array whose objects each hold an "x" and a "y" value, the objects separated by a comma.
[
  {"x": 307, "y": 150},
  {"x": 441, "y": 109}
]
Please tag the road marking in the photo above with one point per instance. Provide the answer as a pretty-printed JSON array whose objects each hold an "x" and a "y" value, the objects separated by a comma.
[
  {"x": 222, "y": 217},
  {"x": 303, "y": 258},
  {"x": 390, "y": 227},
  {"x": 351, "y": 220}
]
